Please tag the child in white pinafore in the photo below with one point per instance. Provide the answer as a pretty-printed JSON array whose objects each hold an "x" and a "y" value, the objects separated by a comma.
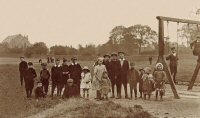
[{"x": 86, "y": 81}]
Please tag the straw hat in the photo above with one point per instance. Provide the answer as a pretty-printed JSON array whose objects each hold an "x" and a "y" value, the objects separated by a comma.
[{"x": 147, "y": 69}]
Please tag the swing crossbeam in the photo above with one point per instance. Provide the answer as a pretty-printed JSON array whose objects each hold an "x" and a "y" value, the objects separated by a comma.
[{"x": 178, "y": 20}]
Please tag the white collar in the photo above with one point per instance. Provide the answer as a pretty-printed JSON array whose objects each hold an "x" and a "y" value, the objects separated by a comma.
[
  {"x": 122, "y": 59},
  {"x": 74, "y": 63},
  {"x": 56, "y": 65}
]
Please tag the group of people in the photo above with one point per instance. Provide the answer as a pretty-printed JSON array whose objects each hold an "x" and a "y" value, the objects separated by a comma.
[{"x": 110, "y": 72}]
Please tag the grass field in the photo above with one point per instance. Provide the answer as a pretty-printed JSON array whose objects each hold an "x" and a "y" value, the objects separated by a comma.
[{"x": 14, "y": 103}]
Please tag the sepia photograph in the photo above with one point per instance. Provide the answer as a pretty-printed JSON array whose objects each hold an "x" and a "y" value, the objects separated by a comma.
[{"x": 99, "y": 59}]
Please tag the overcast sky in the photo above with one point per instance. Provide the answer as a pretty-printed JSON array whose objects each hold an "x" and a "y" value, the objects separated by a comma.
[{"x": 73, "y": 22}]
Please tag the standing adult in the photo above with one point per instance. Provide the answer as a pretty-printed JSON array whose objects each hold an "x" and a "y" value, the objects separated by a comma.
[
  {"x": 173, "y": 58},
  {"x": 65, "y": 73},
  {"x": 114, "y": 73},
  {"x": 56, "y": 76},
  {"x": 75, "y": 72},
  {"x": 124, "y": 64},
  {"x": 23, "y": 66}
]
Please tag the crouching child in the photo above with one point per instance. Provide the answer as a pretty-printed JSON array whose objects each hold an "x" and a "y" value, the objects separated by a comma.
[
  {"x": 160, "y": 76},
  {"x": 106, "y": 86},
  {"x": 86, "y": 81},
  {"x": 71, "y": 90},
  {"x": 30, "y": 75},
  {"x": 133, "y": 78},
  {"x": 148, "y": 83},
  {"x": 39, "y": 93}
]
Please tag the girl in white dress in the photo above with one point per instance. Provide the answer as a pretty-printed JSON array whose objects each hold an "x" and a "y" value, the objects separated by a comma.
[{"x": 86, "y": 81}]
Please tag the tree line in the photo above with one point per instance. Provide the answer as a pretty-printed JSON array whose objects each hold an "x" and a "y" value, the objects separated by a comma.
[{"x": 128, "y": 39}]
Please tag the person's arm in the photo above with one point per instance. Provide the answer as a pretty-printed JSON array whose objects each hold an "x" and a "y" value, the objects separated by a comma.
[
  {"x": 35, "y": 74},
  {"x": 168, "y": 57}
]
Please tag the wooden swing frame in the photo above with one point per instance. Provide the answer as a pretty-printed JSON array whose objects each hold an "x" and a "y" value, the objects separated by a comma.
[{"x": 161, "y": 45}]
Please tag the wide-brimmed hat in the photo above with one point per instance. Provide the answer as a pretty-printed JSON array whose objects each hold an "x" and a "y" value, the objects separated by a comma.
[
  {"x": 147, "y": 70},
  {"x": 85, "y": 68},
  {"x": 43, "y": 64},
  {"x": 73, "y": 58},
  {"x": 106, "y": 55},
  {"x": 159, "y": 64},
  {"x": 57, "y": 59},
  {"x": 121, "y": 52},
  {"x": 30, "y": 63},
  {"x": 114, "y": 54},
  {"x": 70, "y": 81}
]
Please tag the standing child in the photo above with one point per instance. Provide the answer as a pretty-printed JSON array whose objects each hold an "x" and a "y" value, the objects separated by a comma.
[
  {"x": 65, "y": 73},
  {"x": 159, "y": 75},
  {"x": 99, "y": 69},
  {"x": 30, "y": 74},
  {"x": 148, "y": 83},
  {"x": 86, "y": 81},
  {"x": 142, "y": 72},
  {"x": 106, "y": 85},
  {"x": 39, "y": 93},
  {"x": 44, "y": 77},
  {"x": 133, "y": 78}
]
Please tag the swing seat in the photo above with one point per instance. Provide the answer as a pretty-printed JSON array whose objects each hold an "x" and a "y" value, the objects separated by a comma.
[{"x": 196, "y": 51}]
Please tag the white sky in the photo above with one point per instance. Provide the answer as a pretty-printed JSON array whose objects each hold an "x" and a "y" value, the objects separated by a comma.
[{"x": 73, "y": 22}]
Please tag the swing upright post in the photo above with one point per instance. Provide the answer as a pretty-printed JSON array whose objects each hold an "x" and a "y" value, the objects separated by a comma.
[
  {"x": 161, "y": 56},
  {"x": 161, "y": 59}
]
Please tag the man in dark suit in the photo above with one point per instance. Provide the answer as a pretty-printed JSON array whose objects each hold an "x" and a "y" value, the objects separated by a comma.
[
  {"x": 23, "y": 66},
  {"x": 123, "y": 72},
  {"x": 114, "y": 72},
  {"x": 75, "y": 72},
  {"x": 173, "y": 58}
]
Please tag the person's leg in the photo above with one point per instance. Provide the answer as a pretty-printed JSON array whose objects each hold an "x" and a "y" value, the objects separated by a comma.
[
  {"x": 144, "y": 96},
  {"x": 161, "y": 94},
  {"x": 118, "y": 83},
  {"x": 156, "y": 94},
  {"x": 135, "y": 91},
  {"x": 21, "y": 78},
  {"x": 113, "y": 88},
  {"x": 31, "y": 92},
  {"x": 84, "y": 93},
  {"x": 125, "y": 87},
  {"x": 149, "y": 96},
  {"x": 131, "y": 91},
  {"x": 140, "y": 89},
  {"x": 27, "y": 93},
  {"x": 53, "y": 88},
  {"x": 87, "y": 91}
]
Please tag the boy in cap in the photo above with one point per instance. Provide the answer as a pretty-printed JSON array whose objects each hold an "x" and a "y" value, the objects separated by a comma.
[
  {"x": 133, "y": 78},
  {"x": 30, "y": 74},
  {"x": 44, "y": 77},
  {"x": 196, "y": 45},
  {"x": 106, "y": 61},
  {"x": 173, "y": 58},
  {"x": 75, "y": 72},
  {"x": 39, "y": 91},
  {"x": 114, "y": 74},
  {"x": 23, "y": 66},
  {"x": 124, "y": 64},
  {"x": 71, "y": 90},
  {"x": 56, "y": 76}
]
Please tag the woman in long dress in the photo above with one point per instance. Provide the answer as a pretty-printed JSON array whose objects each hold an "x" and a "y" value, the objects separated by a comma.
[{"x": 99, "y": 69}]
